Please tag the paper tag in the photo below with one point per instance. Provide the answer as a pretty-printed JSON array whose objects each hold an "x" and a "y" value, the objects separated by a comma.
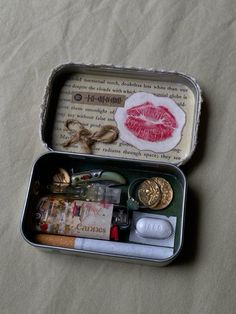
[{"x": 73, "y": 217}]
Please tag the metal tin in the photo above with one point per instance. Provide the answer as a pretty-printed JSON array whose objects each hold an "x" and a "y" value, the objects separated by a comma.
[
  {"x": 39, "y": 176},
  {"x": 63, "y": 97},
  {"x": 70, "y": 80}
]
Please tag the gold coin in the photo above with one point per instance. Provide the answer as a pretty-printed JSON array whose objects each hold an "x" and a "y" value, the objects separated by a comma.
[
  {"x": 166, "y": 193},
  {"x": 149, "y": 193}
]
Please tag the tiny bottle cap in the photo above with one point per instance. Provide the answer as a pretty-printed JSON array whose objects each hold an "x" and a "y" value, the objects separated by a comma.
[{"x": 114, "y": 233}]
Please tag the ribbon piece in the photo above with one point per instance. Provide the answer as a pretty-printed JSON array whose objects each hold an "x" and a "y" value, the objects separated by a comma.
[{"x": 86, "y": 138}]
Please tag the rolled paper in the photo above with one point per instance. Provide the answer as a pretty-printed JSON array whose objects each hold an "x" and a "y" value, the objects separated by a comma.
[{"x": 106, "y": 247}]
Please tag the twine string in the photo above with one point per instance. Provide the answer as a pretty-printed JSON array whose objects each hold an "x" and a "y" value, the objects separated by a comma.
[{"x": 86, "y": 138}]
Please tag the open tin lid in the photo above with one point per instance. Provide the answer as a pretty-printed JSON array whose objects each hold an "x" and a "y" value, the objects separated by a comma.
[{"x": 155, "y": 113}]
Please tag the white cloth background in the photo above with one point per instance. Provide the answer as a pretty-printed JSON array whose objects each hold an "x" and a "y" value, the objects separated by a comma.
[{"x": 195, "y": 37}]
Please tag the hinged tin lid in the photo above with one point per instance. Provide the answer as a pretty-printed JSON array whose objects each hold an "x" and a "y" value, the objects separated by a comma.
[{"x": 156, "y": 112}]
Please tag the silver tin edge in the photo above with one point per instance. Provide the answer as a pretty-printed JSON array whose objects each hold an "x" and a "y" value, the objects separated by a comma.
[
  {"x": 110, "y": 67},
  {"x": 154, "y": 262}
]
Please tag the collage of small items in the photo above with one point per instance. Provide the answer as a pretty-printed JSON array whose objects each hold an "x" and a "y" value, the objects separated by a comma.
[
  {"x": 104, "y": 211},
  {"x": 112, "y": 186}
]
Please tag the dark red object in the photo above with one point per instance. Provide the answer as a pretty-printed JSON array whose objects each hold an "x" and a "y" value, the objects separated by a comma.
[
  {"x": 44, "y": 227},
  {"x": 114, "y": 234},
  {"x": 85, "y": 177}
]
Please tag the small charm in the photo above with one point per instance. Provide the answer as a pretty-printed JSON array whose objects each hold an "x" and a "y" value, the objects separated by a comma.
[
  {"x": 120, "y": 218},
  {"x": 60, "y": 181},
  {"x": 109, "y": 178},
  {"x": 132, "y": 204}
]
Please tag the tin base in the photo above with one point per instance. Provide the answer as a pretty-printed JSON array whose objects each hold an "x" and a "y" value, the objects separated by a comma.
[{"x": 46, "y": 165}]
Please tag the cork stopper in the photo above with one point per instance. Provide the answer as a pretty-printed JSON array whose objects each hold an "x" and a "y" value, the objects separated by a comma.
[{"x": 55, "y": 240}]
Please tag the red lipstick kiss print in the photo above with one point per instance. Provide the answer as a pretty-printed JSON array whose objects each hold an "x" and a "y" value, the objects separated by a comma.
[{"x": 151, "y": 123}]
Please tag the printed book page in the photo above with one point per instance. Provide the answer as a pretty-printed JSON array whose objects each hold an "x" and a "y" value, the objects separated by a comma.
[{"x": 93, "y": 101}]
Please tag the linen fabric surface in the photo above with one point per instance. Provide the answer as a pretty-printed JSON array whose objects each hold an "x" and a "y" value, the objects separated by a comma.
[{"x": 194, "y": 37}]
